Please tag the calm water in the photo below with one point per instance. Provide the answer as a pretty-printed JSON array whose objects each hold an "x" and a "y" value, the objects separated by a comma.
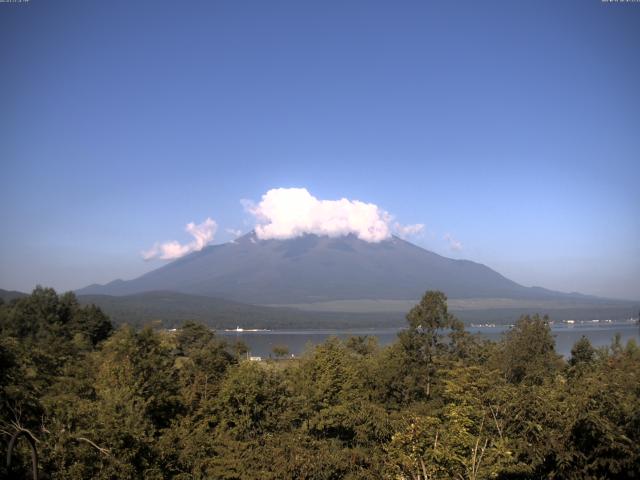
[{"x": 261, "y": 343}]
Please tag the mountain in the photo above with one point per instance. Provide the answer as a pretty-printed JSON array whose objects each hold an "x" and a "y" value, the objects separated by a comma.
[
  {"x": 8, "y": 295},
  {"x": 312, "y": 269}
]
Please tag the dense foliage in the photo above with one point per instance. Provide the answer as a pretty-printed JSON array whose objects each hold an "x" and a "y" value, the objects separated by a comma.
[{"x": 437, "y": 404}]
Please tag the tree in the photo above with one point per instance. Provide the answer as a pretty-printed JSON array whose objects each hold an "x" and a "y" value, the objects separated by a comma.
[
  {"x": 582, "y": 352},
  {"x": 250, "y": 401},
  {"x": 423, "y": 341},
  {"x": 280, "y": 351},
  {"x": 528, "y": 351},
  {"x": 362, "y": 345},
  {"x": 49, "y": 320},
  {"x": 193, "y": 336},
  {"x": 202, "y": 362}
]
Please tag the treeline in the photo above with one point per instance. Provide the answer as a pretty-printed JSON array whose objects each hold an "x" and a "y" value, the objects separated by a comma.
[{"x": 99, "y": 402}]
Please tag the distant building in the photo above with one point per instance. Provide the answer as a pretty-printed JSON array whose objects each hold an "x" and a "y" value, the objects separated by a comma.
[{"x": 255, "y": 359}]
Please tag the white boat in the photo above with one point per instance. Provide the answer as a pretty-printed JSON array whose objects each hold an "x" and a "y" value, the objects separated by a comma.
[{"x": 240, "y": 329}]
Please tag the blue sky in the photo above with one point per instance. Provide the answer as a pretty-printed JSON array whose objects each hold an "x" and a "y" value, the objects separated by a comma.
[{"x": 514, "y": 127}]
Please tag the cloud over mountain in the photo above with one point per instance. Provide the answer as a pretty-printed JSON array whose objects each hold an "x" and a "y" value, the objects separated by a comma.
[
  {"x": 285, "y": 213},
  {"x": 454, "y": 245},
  {"x": 202, "y": 233},
  {"x": 404, "y": 231}
]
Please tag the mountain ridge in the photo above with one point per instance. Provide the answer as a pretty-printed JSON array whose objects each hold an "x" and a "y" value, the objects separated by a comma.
[{"x": 311, "y": 269}]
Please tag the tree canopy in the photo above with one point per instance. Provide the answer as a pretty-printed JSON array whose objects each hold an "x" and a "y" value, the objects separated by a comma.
[{"x": 128, "y": 403}]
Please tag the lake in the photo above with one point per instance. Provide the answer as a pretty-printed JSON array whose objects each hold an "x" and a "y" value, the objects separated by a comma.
[{"x": 261, "y": 343}]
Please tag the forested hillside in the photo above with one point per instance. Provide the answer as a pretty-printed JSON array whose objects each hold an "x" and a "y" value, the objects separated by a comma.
[
  {"x": 171, "y": 309},
  {"x": 99, "y": 402}
]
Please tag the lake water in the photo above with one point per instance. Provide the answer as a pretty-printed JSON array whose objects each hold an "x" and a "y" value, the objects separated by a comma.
[{"x": 261, "y": 343}]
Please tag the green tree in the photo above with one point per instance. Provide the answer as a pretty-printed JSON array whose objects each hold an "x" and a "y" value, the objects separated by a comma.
[
  {"x": 431, "y": 335},
  {"x": 280, "y": 351},
  {"x": 363, "y": 345},
  {"x": 251, "y": 400},
  {"x": 528, "y": 351},
  {"x": 582, "y": 352},
  {"x": 202, "y": 361}
]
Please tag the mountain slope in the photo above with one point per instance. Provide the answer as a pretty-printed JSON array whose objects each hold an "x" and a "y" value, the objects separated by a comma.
[
  {"x": 317, "y": 269},
  {"x": 8, "y": 295}
]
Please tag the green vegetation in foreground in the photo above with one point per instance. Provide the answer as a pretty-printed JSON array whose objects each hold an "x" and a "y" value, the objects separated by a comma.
[{"x": 437, "y": 404}]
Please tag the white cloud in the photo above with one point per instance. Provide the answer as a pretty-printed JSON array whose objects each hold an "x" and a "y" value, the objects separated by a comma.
[
  {"x": 455, "y": 245},
  {"x": 247, "y": 204},
  {"x": 404, "y": 231},
  {"x": 202, "y": 233},
  {"x": 291, "y": 212},
  {"x": 235, "y": 233}
]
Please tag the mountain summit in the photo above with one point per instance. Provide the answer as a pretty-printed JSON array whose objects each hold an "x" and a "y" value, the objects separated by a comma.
[{"x": 314, "y": 268}]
